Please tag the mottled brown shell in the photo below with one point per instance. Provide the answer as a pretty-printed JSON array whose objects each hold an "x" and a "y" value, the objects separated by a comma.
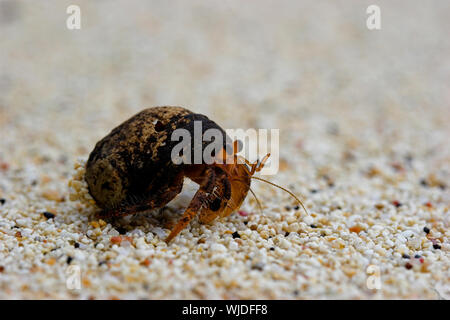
[{"x": 133, "y": 163}]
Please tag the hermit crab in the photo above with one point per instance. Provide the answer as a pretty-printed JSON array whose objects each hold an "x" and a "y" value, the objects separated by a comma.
[{"x": 132, "y": 170}]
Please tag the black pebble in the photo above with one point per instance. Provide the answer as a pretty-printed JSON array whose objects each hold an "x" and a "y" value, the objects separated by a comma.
[
  {"x": 49, "y": 215},
  {"x": 121, "y": 230},
  {"x": 76, "y": 245},
  {"x": 417, "y": 256},
  {"x": 2, "y": 201},
  {"x": 313, "y": 190},
  {"x": 272, "y": 249},
  {"x": 69, "y": 259},
  {"x": 426, "y": 230},
  {"x": 245, "y": 222},
  {"x": 286, "y": 234},
  {"x": 235, "y": 235},
  {"x": 436, "y": 246},
  {"x": 101, "y": 262},
  {"x": 296, "y": 292},
  {"x": 313, "y": 226},
  {"x": 296, "y": 207},
  {"x": 424, "y": 182},
  {"x": 258, "y": 266},
  {"x": 405, "y": 256}
]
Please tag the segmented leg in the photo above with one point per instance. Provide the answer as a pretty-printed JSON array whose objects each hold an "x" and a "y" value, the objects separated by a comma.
[
  {"x": 217, "y": 200},
  {"x": 209, "y": 200}
]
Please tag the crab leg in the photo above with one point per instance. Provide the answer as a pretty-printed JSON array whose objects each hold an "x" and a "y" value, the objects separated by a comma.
[
  {"x": 194, "y": 206},
  {"x": 209, "y": 201},
  {"x": 206, "y": 182}
]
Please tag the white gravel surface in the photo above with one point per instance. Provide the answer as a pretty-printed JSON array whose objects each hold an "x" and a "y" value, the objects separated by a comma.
[{"x": 363, "y": 118}]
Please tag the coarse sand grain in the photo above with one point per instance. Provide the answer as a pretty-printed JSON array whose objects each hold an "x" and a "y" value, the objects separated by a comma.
[{"x": 364, "y": 140}]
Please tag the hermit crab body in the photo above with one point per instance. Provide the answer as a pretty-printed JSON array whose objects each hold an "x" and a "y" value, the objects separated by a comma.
[{"x": 131, "y": 169}]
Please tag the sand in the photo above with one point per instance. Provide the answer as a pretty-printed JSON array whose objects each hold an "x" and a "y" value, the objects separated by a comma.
[{"x": 363, "y": 118}]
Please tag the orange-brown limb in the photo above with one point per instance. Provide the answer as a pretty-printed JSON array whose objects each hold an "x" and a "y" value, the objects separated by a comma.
[
  {"x": 209, "y": 200},
  {"x": 191, "y": 211}
]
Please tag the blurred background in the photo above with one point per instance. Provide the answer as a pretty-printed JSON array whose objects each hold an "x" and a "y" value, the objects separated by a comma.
[
  {"x": 363, "y": 118},
  {"x": 295, "y": 65}
]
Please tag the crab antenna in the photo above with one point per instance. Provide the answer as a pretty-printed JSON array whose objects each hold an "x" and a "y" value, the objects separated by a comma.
[
  {"x": 286, "y": 190},
  {"x": 257, "y": 201}
]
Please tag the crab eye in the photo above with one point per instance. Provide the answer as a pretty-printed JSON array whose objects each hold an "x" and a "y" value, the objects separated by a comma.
[{"x": 215, "y": 205}]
